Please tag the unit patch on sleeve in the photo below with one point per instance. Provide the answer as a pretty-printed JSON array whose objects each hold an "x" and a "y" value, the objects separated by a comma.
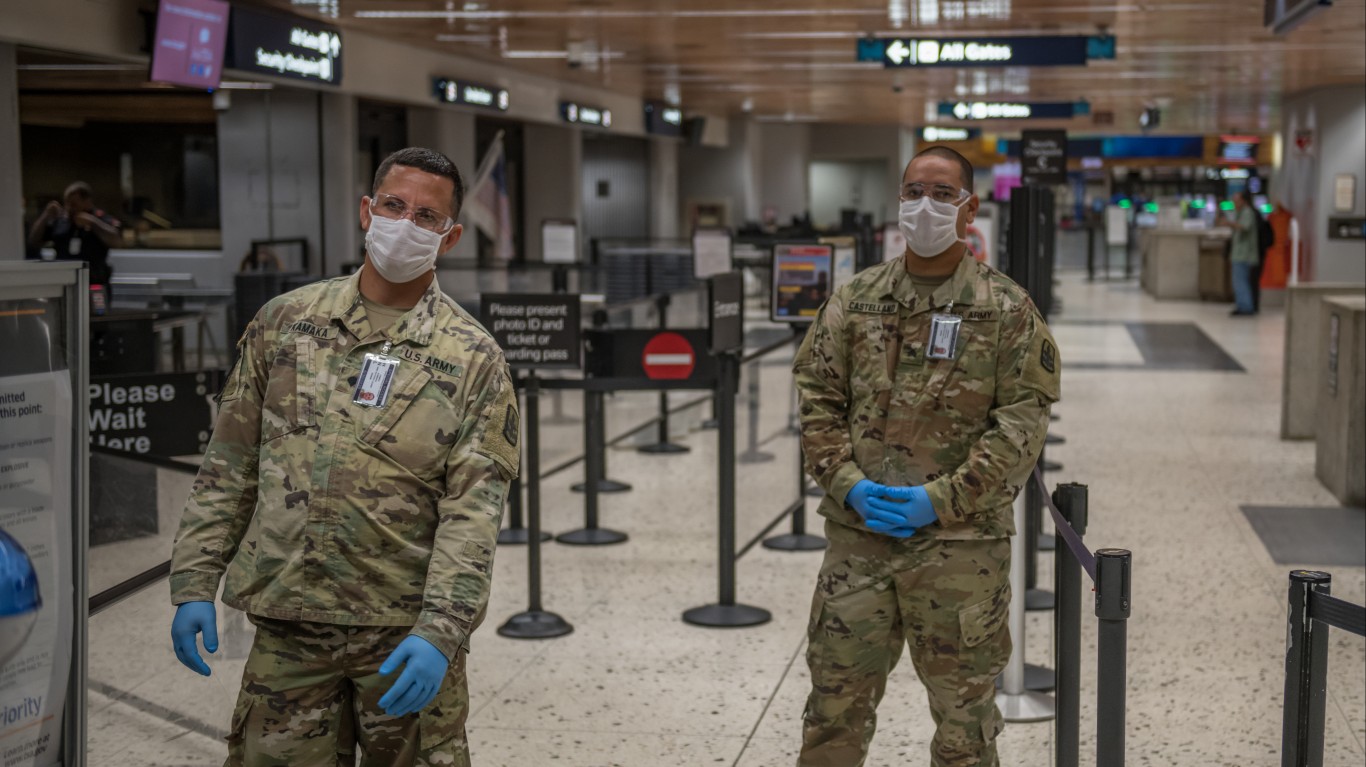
[
  {"x": 1047, "y": 357},
  {"x": 511, "y": 428}
]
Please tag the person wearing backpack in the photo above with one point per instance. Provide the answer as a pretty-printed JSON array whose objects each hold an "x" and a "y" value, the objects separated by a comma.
[{"x": 1243, "y": 256}]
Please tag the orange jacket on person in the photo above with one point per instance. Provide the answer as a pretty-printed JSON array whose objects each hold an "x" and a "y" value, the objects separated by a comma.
[{"x": 1276, "y": 267}]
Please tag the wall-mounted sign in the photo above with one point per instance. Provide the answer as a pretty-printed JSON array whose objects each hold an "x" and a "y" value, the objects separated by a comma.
[
  {"x": 1043, "y": 157},
  {"x": 1346, "y": 228},
  {"x": 470, "y": 94},
  {"x": 662, "y": 119},
  {"x": 711, "y": 252},
  {"x": 188, "y": 48},
  {"x": 288, "y": 46},
  {"x": 934, "y": 133},
  {"x": 582, "y": 114},
  {"x": 1013, "y": 110},
  {"x": 1057, "y": 51},
  {"x": 559, "y": 241}
]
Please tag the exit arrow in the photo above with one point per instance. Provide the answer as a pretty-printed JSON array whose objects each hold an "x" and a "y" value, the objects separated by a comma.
[{"x": 897, "y": 52}]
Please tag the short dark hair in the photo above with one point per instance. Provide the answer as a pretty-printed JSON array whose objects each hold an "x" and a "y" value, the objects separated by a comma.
[
  {"x": 428, "y": 161},
  {"x": 964, "y": 166}
]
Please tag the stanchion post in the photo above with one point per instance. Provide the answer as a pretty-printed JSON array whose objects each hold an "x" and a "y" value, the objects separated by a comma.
[
  {"x": 663, "y": 446},
  {"x": 1113, "y": 569},
  {"x": 752, "y": 452},
  {"x": 593, "y": 451},
  {"x": 1035, "y": 597},
  {"x": 595, "y": 427},
  {"x": 536, "y": 622},
  {"x": 798, "y": 539},
  {"x": 726, "y": 613},
  {"x": 1306, "y": 674},
  {"x": 1071, "y": 500},
  {"x": 1017, "y": 703},
  {"x": 1090, "y": 253}
]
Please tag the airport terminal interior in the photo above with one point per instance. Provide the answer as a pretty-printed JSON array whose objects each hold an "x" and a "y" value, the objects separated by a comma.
[{"x": 659, "y": 197}]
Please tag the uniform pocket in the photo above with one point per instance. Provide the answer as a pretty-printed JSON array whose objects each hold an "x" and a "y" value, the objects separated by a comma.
[
  {"x": 992, "y": 725},
  {"x": 237, "y": 732},
  {"x": 441, "y": 725},
  {"x": 981, "y": 621}
]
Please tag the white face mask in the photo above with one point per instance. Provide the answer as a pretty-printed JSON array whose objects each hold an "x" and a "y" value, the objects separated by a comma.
[
  {"x": 930, "y": 227},
  {"x": 400, "y": 250}
]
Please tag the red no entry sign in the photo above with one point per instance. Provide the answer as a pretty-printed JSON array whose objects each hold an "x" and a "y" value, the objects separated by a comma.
[{"x": 668, "y": 357}]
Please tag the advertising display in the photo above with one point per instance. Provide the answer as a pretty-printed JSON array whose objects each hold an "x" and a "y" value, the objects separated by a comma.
[
  {"x": 710, "y": 252},
  {"x": 802, "y": 281},
  {"x": 288, "y": 46},
  {"x": 161, "y": 414},
  {"x": 559, "y": 241},
  {"x": 1238, "y": 150},
  {"x": 188, "y": 46},
  {"x": 535, "y": 330}
]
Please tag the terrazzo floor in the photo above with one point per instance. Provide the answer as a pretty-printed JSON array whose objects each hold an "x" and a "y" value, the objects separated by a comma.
[{"x": 1169, "y": 456}]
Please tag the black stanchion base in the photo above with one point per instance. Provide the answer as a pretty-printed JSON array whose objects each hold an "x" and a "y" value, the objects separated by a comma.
[
  {"x": 1037, "y": 679},
  {"x": 1051, "y": 465},
  {"x": 514, "y": 536},
  {"x": 795, "y": 542},
  {"x": 535, "y": 624},
  {"x": 1053, "y": 439},
  {"x": 1037, "y": 600},
  {"x": 604, "y": 486},
  {"x": 754, "y": 456},
  {"x": 727, "y": 616},
  {"x": 710, "y": 423},
  {"x": 591, "y": 536},
  {"x": 663, "y": 448}
]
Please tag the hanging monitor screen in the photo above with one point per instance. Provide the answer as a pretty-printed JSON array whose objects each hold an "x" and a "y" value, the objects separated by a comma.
[
  {"x": 1238, "y": 150},
  {"x": 288, "y": 46},
  {"x": 662, "y": 119},
  {"x": 188, "y": 47},
  {"x": 802, "y": 279}
]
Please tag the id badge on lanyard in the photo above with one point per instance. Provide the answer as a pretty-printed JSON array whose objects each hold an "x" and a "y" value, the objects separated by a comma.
[
  {"x": 944, "y": 328},
  {"x": 376, "y": 378}
]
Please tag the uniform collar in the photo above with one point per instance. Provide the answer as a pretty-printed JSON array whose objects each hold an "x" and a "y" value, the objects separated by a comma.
[
  {"x": 960, "y": 289},
  {"x": 415, "y": 327}
]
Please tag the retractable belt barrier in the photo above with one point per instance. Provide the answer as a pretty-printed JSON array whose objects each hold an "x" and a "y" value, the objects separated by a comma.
[{"x": 1312, "y": 610}]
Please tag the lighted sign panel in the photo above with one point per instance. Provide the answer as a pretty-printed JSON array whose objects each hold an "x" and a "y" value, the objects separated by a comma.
[
  {"x": 288, "y": 46},
  {"x": 1009, "y": 110},
  {"x": 583, "y": 114},
  {"x": 450, "y": 91},
  {"x": 1238, "y": 150},
  {"x": 934, "y": 133},
  {"x": 662, "y": 119},
  {"x": 900, "y": 52},
  {"x": 190, "y": 37}
]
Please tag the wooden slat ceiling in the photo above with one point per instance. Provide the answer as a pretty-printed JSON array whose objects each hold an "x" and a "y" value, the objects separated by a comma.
[{"x": 1211, "y": 66}]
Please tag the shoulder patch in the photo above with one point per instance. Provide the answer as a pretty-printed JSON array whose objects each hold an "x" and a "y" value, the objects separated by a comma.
[
  {"x": 511, "y": 426},
  {"x": 873, "y": 307},
  {"x": 1048, "y": 357},
  {"x": 308, "y": 328}
]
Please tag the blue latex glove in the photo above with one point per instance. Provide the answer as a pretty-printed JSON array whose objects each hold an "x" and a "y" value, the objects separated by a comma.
[
  {"x": 911, "y": 503},
  {"x": 424, "y": 667},
  {"x": 191, "y": 618},
  {"x": 869, "y": 499}
]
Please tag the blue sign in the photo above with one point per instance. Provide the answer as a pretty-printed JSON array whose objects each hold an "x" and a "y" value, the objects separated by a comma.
[
  {"x": 1014, "y": 110},
  {"x": 1122, "y": 147}
]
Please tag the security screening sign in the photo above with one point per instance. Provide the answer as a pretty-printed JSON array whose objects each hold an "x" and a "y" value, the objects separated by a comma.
[
  {"x": 535, "y": 330},
  {"x": 1043, "y": 157},
  {"x": 1053, "y": 51},
  {"x": 161, "y": 414}
]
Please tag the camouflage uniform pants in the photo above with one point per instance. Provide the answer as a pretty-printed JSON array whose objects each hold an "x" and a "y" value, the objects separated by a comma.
[
  {"x": 310, "y": 696},
  {"x": 948, "y": 600}
]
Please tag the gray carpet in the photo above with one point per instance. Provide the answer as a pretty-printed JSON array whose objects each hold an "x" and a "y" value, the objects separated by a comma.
[{"x": 1311, "y": 536}]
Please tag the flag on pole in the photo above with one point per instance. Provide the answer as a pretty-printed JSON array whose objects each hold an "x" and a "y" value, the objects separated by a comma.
[{"x": 487, "y": 202}]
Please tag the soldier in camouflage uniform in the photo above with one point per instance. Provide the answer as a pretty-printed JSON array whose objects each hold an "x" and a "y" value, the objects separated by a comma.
[
  {"x": 966, "y": 430},
  {"x": 356, "y": 521}
]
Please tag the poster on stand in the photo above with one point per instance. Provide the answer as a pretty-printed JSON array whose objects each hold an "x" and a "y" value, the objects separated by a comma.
[{"x": 35, "y": 535}]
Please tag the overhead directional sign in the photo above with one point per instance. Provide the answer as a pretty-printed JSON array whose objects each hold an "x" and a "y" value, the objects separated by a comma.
[
  {"x": 585, "y": 115},
  {"x": 1011, "y": 110},
  {"x": 473, "y": 94},
  {"x": 934, "y": 133},
  {"x": 1052, "y": 51}
]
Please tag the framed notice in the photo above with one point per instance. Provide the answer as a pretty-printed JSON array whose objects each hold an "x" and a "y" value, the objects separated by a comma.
[
  {"x": 710, "y": 252},
  {"x": 845, "y": 266},
  {"x": 559, "y": 241},
  {"x": 802, "y": 281},
  {"x": 1344, "y": 193},
  {"x": 893, "y": 242}
]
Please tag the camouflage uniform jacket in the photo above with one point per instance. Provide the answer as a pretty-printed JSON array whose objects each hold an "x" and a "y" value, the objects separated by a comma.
[
  {"x": 327, "y": 511},
  {"x": 969, "y": 429}
]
